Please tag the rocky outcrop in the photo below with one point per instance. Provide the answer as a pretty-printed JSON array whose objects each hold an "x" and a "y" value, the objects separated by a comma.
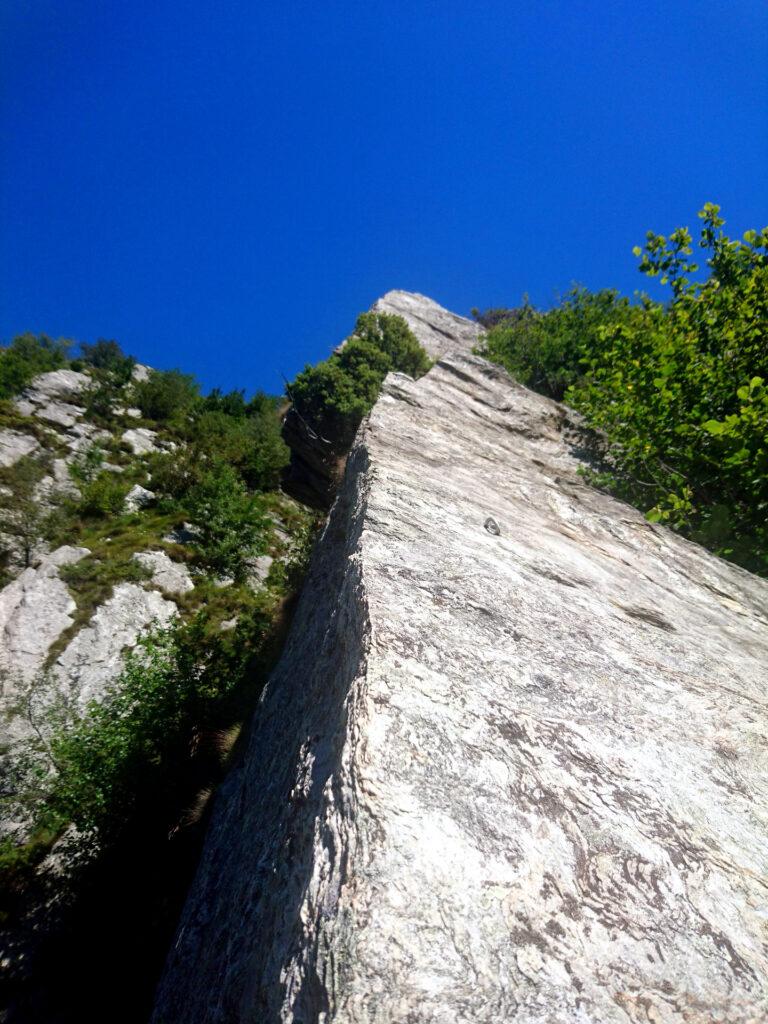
[
  {"x": 141, "y": 440},
  {"x": 35, "y": 609},
  {"x": 317, "y": 463},
  {"x": 512, "y": 765},
  {"x": 14, "y": 446},
  {"x": 95, "y": 656},
  {"x": 173, "y": 577},
  {"x": 438, "y": 330}
]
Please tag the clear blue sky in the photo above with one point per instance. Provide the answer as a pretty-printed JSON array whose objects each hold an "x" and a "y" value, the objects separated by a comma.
[{"x": 223, "y": 186}]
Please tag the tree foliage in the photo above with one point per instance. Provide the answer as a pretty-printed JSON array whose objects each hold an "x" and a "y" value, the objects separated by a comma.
[
  {"x": 165, "y": 394},
  {"x": 231, "y": 522},
  {"x": 335, "y": 395},
  {"x": 680, "y": 391},
  {"x": 25, "y": 357}
]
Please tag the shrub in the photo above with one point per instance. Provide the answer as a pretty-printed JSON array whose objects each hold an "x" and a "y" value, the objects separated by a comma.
[
  {"x": 27, "y": 356},
  {"x": 335, "y": 395},
  {"x": 26, "y": 521},
  {"x": 110, "y": 358},
  {"x": 233, "y": 526},
  {"x": 103, "y": 496},
  {"x": 543, "y": 350},
  {"x": 679, "y": 391},
  {"x": 165, "y": 394}
]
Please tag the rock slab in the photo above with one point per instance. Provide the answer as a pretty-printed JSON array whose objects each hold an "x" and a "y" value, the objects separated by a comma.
[{"x": 512, "y": 765}]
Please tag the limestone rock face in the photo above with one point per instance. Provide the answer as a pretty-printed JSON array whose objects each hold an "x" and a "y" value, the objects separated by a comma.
[
  {"x": 512, "y": 765},
  {"x": 437, "y": 329},
  {"x": 141, "y": 440},
  {"x": 166, "y": 574},
  {"x": 95, "y": 656},
  {"x": 35, "y": 609},
  {"x": 14, "y": 446},
  {"x": 317, "y": 463}
]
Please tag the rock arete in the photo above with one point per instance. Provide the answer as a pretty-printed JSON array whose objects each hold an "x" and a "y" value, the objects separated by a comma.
[{"x": 506, "y": 772}]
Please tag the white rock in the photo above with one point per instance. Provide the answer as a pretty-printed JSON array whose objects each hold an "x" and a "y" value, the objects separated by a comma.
[
  {"x": 138, "y": 497},
  {"x": 23, "y": 407},
  {"x": 60, "y": 413},
  {"x": 141, "y": 373},
  {"x": 437, "y": 329},
  {"x": 56, "y": 385},
  {"x": 168, "y": 575},
  {"x": 133, "y": 412},
  {"x": 94, "y": 657},
  {"x": 35, "y": 609},
  {"x": 82, "y": 436},
  {"x": 258, "y": 568},
  {"x": 512, "y": 765},
  {"x": 141, "y": 440},
  {"x": 14, "y": 446}
]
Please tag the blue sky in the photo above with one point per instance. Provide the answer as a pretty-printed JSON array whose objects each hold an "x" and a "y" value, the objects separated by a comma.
[{"x": 224, "y": 186}]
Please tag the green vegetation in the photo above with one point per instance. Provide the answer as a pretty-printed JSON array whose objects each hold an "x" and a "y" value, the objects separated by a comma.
[
  {"x": 25, "y": 521},
  {"x": 231, "y": 523},
  {"x": 166, "y": 394},
  {"x": 25, "y": 357},
  {"x": 334, "y": 395},
  {"x": 679, "y": 391}
]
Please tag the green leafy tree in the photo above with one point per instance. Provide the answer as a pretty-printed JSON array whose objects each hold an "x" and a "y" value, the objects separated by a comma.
[
  {"x": 108, "y": 357},
  {"x": 232, "y": 523},
  {"x": 166, "y": 394},
  {"x": 679, "y": 391}
]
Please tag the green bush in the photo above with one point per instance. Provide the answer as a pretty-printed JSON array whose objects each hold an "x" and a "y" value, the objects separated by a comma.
[
  {"x": 544, "y": 350},
  {"x": 679, "y": 391},
  {"x": 103, "y": 496},
  {"x": 108, "y": 357},
  {"x": 25, "y": 357},
  {"x": 165, "y": 394},
  {"x": 335, "y": 395},
  {"x": 232, "y": 523},
  {"x": 133, "y": 746}
]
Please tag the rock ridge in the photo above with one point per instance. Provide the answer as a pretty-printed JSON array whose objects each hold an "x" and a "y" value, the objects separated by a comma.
[{"x": 512, "y": 764}]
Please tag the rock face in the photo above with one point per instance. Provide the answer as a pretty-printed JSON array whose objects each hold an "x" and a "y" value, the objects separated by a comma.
[
  {"x": 95, "y": 656},
  {"x": 317, "y": 463},
  {"x": 512, "y": 765},
  {"x": 439, "y": 331},
  {"x": 34, "y": 610},
  {"x": 168, "y": 575},
  {"x": 14, "y": 446}
]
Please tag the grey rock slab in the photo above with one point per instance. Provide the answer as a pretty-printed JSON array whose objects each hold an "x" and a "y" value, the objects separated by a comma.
[
  {"x": 141, "y": 440},
  {"x": 512, "y": 774},
  {"x": 258, "y": 568},
  {"x": 138, "y": 497},
  {"x": 438, "y": 330},
  {"x": 94, "y": 658},
  {"x": 140, "y": 373},
  {"x": 14, "y": 446},
  {"x": 168, "y": 575},
  {"x": 62, "y": 414},
  {"x": 35, "y": 609},
  {"x": 56, "y": 385}
]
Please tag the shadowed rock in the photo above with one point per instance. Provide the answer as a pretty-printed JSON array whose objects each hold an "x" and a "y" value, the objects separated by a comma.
[{"x": 512, "y": 765}]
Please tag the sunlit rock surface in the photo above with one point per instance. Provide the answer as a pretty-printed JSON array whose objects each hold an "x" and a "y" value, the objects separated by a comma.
[
  {"x": 317, "y": 463},
  {"x": 512, "y": 765},
  {"x": 438, "y": 330}
]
